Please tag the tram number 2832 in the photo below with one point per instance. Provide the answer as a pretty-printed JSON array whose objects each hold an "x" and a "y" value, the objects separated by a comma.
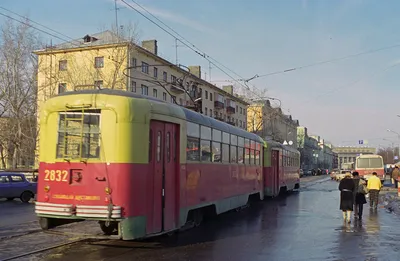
[{"x": 56, "y": 175}]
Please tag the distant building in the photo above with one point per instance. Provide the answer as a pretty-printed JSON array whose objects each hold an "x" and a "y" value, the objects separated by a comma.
[
  {"x": 315, "y": 151},
  {"x": 271, "y": 123},
  {"x": 348, "y": 154}
]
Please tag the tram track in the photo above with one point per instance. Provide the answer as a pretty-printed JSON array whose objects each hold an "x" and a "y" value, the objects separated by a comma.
[{"x": 37, "y": 251}]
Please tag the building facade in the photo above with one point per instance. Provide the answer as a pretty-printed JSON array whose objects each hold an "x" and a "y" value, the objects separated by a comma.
[
  {"x": 347, "y": 154},
  {"x": 271, "y": 123},
  {"x": 315, "y": 151}
]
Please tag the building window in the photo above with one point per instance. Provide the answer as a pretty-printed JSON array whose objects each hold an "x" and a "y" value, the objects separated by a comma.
[
  {"x": 206, "y": 94},
  {"x": 240, "y": 123},
  {"x": 62, "y": 65},
  {"x": 98, "y": 62},
  {"x": 210, "y": 96},
  {"x": 241, "y": 112},
  {"x": 165, "y": 76},
  {"x": 205, "y": 111},
  {"x": 180, "y": 101},
  {"x": 164, "y": 96},
  {"x": 237, "y": 122},
  {"x": 173, "y": 99},
  {"x": 98, "y": 84},
  {"x": 173, "y": 79},
  {"x": 133, "y": 63},
  {"x": 155, "y": 72},
  {"x": 211, "y": 113},
  {"x": 62, "y": 87},
  {"x": 155, "y": 93},
  {"x": 145, "y": 90},
  {"x": 133, "y": 86},
  {"x": 145, "y": 68}
]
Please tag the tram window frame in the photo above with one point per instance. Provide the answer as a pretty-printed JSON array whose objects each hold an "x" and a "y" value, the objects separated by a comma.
[
  {"x": 234, "y": 140},
  {"x": 192, "y": 129},
  {"x": 193, "y": 140},
  {"x": 216, "y": 135},
  {"x": 240, "y": 149},
  {"x": 233, "y": 158},
  {"x": 168, "y": 146},
  {"x": 216, "y": 145},
  {"x": 205, "y": 143},
  {"x": 226, "y": 138},
  {"x": 225, "y": 151}
]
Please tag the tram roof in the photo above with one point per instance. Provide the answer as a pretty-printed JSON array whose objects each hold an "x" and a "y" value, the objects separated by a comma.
[{"x": 191, "y": 116}]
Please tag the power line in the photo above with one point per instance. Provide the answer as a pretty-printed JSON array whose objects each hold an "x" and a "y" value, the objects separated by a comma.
[
  {"x": 43, "y": 31},
  {"x": 354, "y": 82},
  {"x": 186, "y": 42},
  {"x": 329, "y": 61}
]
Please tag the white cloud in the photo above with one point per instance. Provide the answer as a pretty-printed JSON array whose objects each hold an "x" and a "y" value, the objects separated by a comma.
[{"x": 168, "y": 15}]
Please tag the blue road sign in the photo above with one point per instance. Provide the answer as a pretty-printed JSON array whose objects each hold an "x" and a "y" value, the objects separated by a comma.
[{"x": 361, "y": 142}]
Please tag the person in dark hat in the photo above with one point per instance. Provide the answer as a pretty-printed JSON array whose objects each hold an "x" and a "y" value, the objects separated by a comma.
[
  {"x": 360, "y": 190},
  {"x": 347, "y": 187}
]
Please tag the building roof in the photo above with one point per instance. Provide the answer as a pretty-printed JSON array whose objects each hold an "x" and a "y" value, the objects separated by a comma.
[{"x": 98, "y": 39}]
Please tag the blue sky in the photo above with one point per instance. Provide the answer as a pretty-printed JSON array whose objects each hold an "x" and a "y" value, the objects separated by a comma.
[{"x": 343, "y": 102}]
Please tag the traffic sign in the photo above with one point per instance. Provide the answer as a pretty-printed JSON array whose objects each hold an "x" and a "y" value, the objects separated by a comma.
[{"x": 361, "y": 142}]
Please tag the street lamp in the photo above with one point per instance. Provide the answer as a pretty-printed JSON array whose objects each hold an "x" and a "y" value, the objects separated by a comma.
[{"x": 398, "y": 136}]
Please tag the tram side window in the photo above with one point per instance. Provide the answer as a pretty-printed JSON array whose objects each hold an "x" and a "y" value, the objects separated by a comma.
[
  {"x": 192, "y": 149},
  {"x": 234, "y": 154},
  {"x": 240, "y": 155},
  {"x": 240, "y": 150},
  {"x": 225, "y": 152},
  {"x": 247, "y": 151},
  {"x": 205, "y": 146},
  {"x": 216, "y": 151}
]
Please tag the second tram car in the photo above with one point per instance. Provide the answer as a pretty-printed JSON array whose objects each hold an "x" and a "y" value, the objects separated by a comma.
[{"x": 144, "y": 167}]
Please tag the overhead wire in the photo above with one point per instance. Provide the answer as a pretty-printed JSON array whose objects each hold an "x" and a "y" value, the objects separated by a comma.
[{"x": 187, "y": 43}]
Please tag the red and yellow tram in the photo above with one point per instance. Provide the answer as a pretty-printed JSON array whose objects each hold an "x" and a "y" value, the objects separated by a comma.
[{"x": 144, "y": 167}]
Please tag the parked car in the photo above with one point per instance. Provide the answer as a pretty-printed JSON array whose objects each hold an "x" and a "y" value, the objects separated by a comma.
[
  {"x": 333, "y": 173},
  {"x": 15, "y": 185},
  {"x": 301, "y": 173}
]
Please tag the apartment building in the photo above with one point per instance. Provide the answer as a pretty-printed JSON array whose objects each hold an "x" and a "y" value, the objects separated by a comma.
[
  {"x": 271, "y": 123},
  {"x": 105, "y": 60}
]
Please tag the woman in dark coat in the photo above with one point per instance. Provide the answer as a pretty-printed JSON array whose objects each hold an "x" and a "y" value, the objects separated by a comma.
[
  {"x": 347, "y": 188},
  {"x": 359, "y": 195}
]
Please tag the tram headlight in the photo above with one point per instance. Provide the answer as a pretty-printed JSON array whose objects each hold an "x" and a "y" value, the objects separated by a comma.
[
  {"x": 47, "y": 188},
  {"x": 108, "y": 191}
]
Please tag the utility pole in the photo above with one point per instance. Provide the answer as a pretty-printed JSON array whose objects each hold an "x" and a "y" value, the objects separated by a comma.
[
  {"x": 176, "y": 51},
  {"x": 209, "y": 70},
  {"x": 116, "y": 16}
]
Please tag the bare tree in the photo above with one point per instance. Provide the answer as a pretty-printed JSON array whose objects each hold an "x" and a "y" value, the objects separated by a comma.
[{"x": 17, "y": 93}]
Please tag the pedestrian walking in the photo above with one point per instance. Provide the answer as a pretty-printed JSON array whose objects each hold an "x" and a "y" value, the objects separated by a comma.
[
  {"x": 359, "y": 195},
  {"x": 374, "y": 187},
  {"x": 346, "y": 187},
  {"x": 395, "y": 176}
]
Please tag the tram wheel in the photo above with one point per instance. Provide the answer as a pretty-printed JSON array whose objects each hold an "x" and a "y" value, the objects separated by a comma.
[
  {"x": 46, "y": 223},
  {"x": 108, "y": 227}
]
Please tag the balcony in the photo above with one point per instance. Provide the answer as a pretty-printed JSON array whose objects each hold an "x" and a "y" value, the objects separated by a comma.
[
  {"x": 230, "y": 109},
  {"x": 175, "y": 88},
  {"x": 219, "y": 105}
]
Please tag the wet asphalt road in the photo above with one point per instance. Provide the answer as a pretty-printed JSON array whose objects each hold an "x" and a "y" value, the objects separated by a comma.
[{"x": 302, "y": 226}]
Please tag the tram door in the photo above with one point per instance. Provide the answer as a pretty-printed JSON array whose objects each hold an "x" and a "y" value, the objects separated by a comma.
[
  {"x": 275, "y": 172},
  {"x": 164, "y": 161}
]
